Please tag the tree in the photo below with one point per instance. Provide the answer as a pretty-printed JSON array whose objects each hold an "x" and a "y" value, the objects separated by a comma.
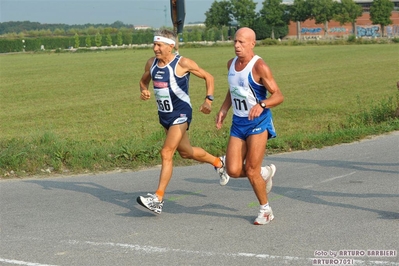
[
  {"x": 244, "y": 12},
  {"x": 98, "y": 39},
  {"x": 380, "y": 13},
  {"x": 218, "y": 15},
  {"x": 59, "y": 32},
  {"x": 127, "y": 37},
  {"x": 71, "y": 31},
  {"x": 264, "y": 31},
  {"x": 43, "y": 32},
  {"x": 117, "y": 24},
  {"x": 108, "y": 39},
  {"x": 33, "y": 33},
  {"x": 88, "y": 41},
  {"x": 347, "y": 12},
  {"x": 299, "y": 12},
  {"x": 196, "y": 35},
  {"x": 77, "y": 42},
  {"x": 211, "y": 34},
  {"x": 91, "y": 30},
  {"x": 119, "y": 38},
  {"x": 100, "y": 30},
  {"x": 322, "y": 12},
  {"x": 272, "y": 13}
]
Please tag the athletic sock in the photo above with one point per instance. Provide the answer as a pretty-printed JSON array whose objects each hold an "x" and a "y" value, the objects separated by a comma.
[
  {"x": 264, "y": 207},
  {"x": 217, "y": 163},
  {"x": 159, "y": 194}
]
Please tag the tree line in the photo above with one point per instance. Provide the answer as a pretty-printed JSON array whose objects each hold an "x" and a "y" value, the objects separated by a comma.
[
  {"x": 224, "y": 17},
  {"x": 275, "y": 14},
  {"x": 36, "y": 28},
  {"x": 101, "y": 37}
]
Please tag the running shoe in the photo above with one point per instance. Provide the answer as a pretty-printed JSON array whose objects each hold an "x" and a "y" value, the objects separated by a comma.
[
  {"x": 224, "y": 177},
  {"x": 151, "y": 202},
  {"x": 271, "y": 170},
  {"x": 264, "y": 216}
]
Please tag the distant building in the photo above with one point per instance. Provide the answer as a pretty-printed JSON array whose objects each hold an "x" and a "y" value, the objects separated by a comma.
[
  {"x": 364, "y": 27},
  {"x": 194, "y": 25},
  {"x": 142, "y": 27}
]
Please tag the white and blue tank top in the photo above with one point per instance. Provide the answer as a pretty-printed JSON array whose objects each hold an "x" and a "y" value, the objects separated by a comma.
[{"x": 244, "y": 90}]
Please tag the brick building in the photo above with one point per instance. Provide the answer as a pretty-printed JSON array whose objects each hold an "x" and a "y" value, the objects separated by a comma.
[{"x": 364, "y": 28}]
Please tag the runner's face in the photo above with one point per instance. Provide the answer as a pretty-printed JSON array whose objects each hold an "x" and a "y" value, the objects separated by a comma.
[
  {"x": 162, "y": 49},
  {"x": 242, "y": 44}
]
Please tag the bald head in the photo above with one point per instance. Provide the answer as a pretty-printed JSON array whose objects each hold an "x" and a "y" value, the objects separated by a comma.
[
  {"x": 244, "y": 43},
  {"x": 247, "y": 33}
]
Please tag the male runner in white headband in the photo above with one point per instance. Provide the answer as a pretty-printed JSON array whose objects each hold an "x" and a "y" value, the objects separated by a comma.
[{"x": 170, "y": 75}]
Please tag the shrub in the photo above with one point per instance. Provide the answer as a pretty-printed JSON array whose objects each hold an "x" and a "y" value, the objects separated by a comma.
[
  {"x": 352, "y": 38},
  {"x": 269, "y": 41}
]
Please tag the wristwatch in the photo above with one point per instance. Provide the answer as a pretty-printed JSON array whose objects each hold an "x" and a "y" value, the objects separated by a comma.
[
  {"x": 262, "y": 104},
  {"x": 209, "y": 97}
]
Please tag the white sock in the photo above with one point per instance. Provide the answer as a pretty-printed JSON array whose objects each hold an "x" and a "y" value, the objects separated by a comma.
[{"x": 264, "y": 207}]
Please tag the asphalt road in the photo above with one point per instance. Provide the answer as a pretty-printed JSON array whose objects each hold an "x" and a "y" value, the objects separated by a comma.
[{"x": 333, "y": 205}]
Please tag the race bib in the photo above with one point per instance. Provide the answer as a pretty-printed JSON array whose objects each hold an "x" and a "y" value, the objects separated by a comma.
[
  {"x": 240, "y": 102},
  {"x": 164, "y": 100}
]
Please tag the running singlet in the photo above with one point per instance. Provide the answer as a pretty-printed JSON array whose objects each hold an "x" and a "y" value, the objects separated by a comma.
[
  {"x": 245, "y": 92},
  {"x": 170, "y": 90}
]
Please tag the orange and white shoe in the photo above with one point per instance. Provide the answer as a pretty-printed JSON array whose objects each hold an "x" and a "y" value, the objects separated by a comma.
[
  {"x": 151, "y": 202},
  {"x": 224, "y": 177}
]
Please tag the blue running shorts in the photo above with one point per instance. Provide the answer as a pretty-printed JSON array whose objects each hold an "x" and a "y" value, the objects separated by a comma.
[{"x": 242, "y": 128}]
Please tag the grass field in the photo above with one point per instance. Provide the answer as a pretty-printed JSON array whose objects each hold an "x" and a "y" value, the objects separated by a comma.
[{"x": 81, "y": 111}]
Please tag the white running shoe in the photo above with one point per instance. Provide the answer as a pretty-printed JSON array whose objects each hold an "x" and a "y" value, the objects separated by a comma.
[
  {"x": 268, "y": 177},
  {"x": 224, "y": 177},
  {"x": 152, "y": 203},
  {"x": 264, "y": 216}
]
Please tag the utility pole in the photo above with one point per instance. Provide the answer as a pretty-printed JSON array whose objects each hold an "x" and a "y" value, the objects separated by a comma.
[{"x": 164, "y": 11}]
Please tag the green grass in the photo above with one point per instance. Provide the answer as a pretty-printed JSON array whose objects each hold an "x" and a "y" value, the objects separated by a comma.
[{"x": 81, "y": 111}]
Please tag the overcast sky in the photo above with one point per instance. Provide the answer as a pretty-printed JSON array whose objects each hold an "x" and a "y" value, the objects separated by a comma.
[{"x": 136, "y": 12}]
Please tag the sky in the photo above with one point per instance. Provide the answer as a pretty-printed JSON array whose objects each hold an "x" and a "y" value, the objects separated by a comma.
[{"x": 137, "y": 12}]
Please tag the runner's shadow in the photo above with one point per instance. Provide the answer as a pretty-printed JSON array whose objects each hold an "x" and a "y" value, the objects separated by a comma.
[
  {"x": 119, "y": 198},
  {"x": 128, "y": 200},
  {"x": 313, "y": 196}
]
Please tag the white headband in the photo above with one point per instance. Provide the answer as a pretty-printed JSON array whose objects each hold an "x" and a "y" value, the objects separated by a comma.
[{"x": 164, "y": 39}]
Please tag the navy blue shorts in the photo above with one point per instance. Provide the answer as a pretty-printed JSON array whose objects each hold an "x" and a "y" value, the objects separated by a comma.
[{"x": 167, "y": 121}]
